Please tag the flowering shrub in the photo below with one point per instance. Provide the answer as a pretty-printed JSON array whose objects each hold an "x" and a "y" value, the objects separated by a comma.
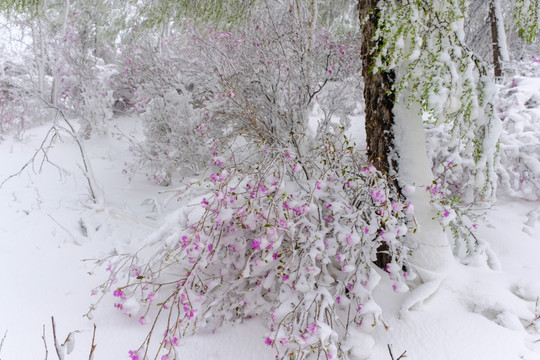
[
  {"x": 82, "y": 82},
  {"x": 262, "y": 82},
  {"x": 460, "y": 219},
  {"x": 269, "y": 240}
]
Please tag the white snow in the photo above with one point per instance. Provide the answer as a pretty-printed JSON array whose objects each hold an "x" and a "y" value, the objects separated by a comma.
[
  {"x": 51, "y": 233},
  {"x": 46, "y": 231}
]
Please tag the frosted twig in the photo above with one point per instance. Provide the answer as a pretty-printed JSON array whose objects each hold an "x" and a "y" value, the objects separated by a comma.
[{"x": 43, "y": 149}]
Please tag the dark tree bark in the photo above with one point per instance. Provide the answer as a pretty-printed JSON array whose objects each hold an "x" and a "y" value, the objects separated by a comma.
[
  {"x": 379, "y": 101},
  {"x": 497, "y": 58},
  {"x": 378, "y": 95}
]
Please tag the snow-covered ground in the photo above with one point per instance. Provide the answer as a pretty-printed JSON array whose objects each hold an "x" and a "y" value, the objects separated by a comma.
[{"x": 50, "y": 235}]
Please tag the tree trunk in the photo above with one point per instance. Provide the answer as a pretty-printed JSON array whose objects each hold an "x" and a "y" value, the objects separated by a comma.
[
  {"x": 396, "y": 146},
  {"x": 498, "y": 36},
  {"x": 378, "y": 95},
  {"x": 379, "y": 103}
]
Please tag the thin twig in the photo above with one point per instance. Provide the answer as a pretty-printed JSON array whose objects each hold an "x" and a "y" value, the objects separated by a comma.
[
  {"x": 45, "y": 344},
  {"x": 56, "y": 344},
  {"x": 2, "y": 342},
  {"x": 88, "y": 173},
  {"x": 404, "y": 355},
  {"x": 43, "y": 149},
  {"x": 93, "y": 346},
  {"x": 73, "y": 236},
  {"x": 390, "y": 351}
]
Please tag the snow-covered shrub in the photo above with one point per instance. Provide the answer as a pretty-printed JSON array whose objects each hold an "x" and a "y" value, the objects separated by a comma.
[
  {"x": 519, "y": 109},
  {"x": 291, "y": 220},
  {"x": 261, "y": 81},
  {"x": 20, "y": 106},
  {"x": 82, "y": 83},
  {"x": 270, "y": 75},
  {"x": 291, "y": 238},
  {"x": 178, "y": 138},
  {"x": 13, "y": 108}
]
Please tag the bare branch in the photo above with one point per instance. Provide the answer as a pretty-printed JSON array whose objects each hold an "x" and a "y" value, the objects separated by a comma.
[
  {"x": 403, "y": 355},
  {"x": 58, "y": 347},
  {"x": 43, "y": 149},
  {"x": 45, "y": 344},
  {"x": 390, "y": 351},
  {"x": 93, "y": 346}
]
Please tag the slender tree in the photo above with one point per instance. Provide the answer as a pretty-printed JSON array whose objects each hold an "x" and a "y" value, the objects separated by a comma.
[{"x": 498, "y": 36}]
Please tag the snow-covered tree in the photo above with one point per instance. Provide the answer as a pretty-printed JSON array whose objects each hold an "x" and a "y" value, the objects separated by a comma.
[{"x": 418, "y": 72}]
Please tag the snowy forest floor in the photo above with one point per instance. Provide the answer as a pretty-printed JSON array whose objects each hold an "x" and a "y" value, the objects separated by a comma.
[{"x": 46, "y": 231}]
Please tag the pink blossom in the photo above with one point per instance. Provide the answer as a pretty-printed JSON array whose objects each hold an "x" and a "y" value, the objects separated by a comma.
[
  {"x": 134, "y": 355},
  {"x": 446, "y": 213},
  {"x": 377, "y": 195},
  {"x": 269, "y": 341},
  {"x": 256, "y": 244},
  {"x": 204, "y": 203}
]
